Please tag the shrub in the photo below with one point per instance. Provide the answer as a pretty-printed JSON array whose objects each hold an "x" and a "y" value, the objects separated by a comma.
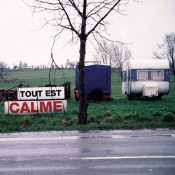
[
  {"x": 25, "y": 122},
  {"x": 91, "y": 119},
  {"x": 172, "y": 111},
  {"x": 108, "y": 120},
  {"x": 168, "y": 117},
  {"x": 108, "y": 114},
  {"x": 4, "y": 121},
  {"x": 43, "y": 121},
  {"x": 157, "y": 114},
  {"x": 129, "y": 116},
  {"x": 64, "y": 122},
  {"x": 95, "y": 119},
  {"x": 74, "y": 121},
  {"x": 118, "y": 119},
  {"x": 145, "y": 119},
  {"x": 55, "y": 121},
  {"x": 74, "y": 111}
]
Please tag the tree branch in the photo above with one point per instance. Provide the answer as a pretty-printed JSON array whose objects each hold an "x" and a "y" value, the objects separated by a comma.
[{"x": 103, "y": 18}]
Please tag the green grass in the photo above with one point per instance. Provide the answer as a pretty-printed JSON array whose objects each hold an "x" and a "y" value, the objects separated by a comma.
[
  {"x": 38, "y": 78},
  {"x": 119, "y": 113}
]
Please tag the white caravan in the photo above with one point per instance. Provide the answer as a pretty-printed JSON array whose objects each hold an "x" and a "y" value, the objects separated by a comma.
[{"x": 145, "y": 78}]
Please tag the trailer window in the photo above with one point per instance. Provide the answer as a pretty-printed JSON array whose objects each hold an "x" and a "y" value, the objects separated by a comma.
[
  {"x": 156, "y": 75},
  {"x": 150, "y": 75},
  {"x": 142, "y": 75},
  {"x": 123, "y": 76}
]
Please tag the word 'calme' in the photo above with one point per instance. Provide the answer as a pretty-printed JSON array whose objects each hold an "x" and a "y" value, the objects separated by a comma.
[{"x": 35, "y": 107}]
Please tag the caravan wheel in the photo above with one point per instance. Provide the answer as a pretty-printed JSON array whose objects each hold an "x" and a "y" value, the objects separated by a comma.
[
  {"x": 130, "y": 97},
  {"x": 159, "y": 97}
]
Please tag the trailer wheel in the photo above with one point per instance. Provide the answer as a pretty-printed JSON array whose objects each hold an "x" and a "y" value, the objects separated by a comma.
[
  {"x": 159, "y": 97},
  {"x": 130, "y": 97},
  {"x": 97, "y": 94}
]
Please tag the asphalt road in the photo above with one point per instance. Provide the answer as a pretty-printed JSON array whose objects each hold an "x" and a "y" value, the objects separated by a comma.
[{"x": 123, "y": 152}]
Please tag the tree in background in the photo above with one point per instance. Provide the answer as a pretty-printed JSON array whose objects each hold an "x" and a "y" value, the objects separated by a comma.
[
  {"x": 82, "y": 18},
  {"x": 67, "y": 63},
  {"x": 15, "y": 67},
  {"x": 22, "y": 65},
  {"x": 70, "y": 64},
  {"x": 168, "y": 51},
  {"x": 4, "y": 70},
  {"x": 113, "y": 54}
]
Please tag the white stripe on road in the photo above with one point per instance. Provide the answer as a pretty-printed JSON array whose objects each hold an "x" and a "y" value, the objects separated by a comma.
[
  {"x": 5, "y": 139},
  {"x": 128, "y": 157},
  {"x": 37, "y": 139}
]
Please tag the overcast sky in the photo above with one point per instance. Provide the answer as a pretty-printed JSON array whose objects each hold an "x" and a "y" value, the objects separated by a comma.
[{"x": 20, "y": 40}]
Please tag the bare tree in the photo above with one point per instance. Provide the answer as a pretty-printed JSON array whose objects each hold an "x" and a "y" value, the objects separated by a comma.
[
  {"x": 70, "y": 64},
  {"x": 121, "y": 53},
  {"x": 24, "y": 65},
  {"x": 113, "y": 54},
  {"x": 4, "y": 70},
  {"x": 67, "y": 63},
  {"x": 20, "y": 65},
  {"x": 167, "y": 51},
  {"x": 82, "y": 18},
  {"x": 103, "y": 52}
]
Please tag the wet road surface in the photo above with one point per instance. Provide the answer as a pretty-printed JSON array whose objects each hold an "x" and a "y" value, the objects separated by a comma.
[{"x": 93, "y": 152}]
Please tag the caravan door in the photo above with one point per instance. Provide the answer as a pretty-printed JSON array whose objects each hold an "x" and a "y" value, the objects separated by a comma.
[{"x": 127, "y": 78}]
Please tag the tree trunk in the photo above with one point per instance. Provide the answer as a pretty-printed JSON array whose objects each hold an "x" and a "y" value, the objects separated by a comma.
[{"x": 82, "y": 115}]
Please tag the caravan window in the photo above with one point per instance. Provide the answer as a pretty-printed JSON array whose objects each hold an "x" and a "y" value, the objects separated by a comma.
[
  {"x": 142, "y": 75},
  {"x": 150, "y": 75},
  {"x": 123, "y": 76},
  {"x": 156, "y": 75}
]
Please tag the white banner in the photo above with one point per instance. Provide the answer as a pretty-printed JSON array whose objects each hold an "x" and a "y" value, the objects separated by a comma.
[
  {"x": 35, "y": 107},
  {"x": 41, "y": 93}
]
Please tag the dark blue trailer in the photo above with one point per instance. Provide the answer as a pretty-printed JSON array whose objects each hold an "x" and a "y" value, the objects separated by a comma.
[{"x": 97, "y": 81}]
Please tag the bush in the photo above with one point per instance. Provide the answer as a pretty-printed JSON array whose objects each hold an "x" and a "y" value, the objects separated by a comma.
[
  {"x": 156, "y": 114},
  {"x": 108, "y": 120},
  {"x": 74, "y": 111},
  {"x": 172, "y": 111},
  {"x": 4, "y": 121},
  {"x": 168, "y": 117},
  {"x": 42, "y": 121},
  {"x": 95, "y": 119},
  {"x": 118, "y": 119},
  {"x": 64, "y": 122},
  {"x": 25, "y": 122},
  {"x": 74, "y": 121},
  {"x": 130, "y": 116},
  {"x": 55, "y": 121},
  {"x": 108, "y": 114}
]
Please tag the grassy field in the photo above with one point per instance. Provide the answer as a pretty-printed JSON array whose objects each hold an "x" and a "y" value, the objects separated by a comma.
[{"x": 119, "y": 113}]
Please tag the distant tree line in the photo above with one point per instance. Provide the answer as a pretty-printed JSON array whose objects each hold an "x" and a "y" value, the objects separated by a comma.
[{"x": 25, "y": 66}]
